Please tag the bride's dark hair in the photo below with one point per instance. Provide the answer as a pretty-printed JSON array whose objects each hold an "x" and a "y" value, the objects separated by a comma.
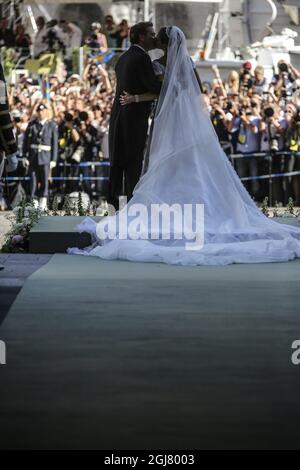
[{"x": 163, "y": 36}]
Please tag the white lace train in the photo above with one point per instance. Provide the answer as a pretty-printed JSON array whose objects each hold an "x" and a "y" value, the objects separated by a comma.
[
  {"x": 236, "y": 231},
  {"x": 188, "y": 166}
]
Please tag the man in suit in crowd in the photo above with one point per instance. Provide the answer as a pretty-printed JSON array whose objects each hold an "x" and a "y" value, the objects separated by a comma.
[{"x": 129, "y": 124}]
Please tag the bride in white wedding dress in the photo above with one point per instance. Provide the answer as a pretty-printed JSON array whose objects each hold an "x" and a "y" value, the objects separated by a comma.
[{"x": 188, "y": 166}]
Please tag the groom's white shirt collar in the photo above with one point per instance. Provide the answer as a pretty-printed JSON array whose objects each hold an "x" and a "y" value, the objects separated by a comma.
[{"x": 141, "y": 47}]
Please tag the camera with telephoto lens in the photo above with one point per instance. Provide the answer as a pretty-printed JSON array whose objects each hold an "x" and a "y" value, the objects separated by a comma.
[
  {"x": 296, "y": 118},
  {"x": 269, "y": 112},
  {"x": 283, "y": 67},
  {"x": 273, "y": 139},
  {"x": 274, "y": 143},
  {"x": 68, "y": 117},
  {"x": 52, "y": 39},
  {"x": 229, "y": 106}
]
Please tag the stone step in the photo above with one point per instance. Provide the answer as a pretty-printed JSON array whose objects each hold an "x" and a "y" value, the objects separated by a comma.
[{"x": 54, "y": 234}]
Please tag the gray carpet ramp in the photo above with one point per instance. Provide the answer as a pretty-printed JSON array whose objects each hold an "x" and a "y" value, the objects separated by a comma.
[{"x": 118, "y": 355}]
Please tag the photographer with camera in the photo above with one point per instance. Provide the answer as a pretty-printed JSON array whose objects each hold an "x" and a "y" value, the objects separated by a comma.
[
  {"x": 248, "y": 142},
  {"x": 293, "y": 144},
  {"x": 96, "y": 78},
  {"x": 282, "y": 84},
  {"x": 68, "y": 143},
  {"x": 121, "y": 33},
  {"x": 260, "y": 83},
  {"x": 39, "y": 43},
  {"x": 55, "y": 38},
  {"x": 90, "y": 143},
  {"x": 246, "y": 79},
  {"x": 233, "y": 123},
  {"x": 273, "y": 128},
  {"x": 7, "y": 38},
  {"x": 222, "y": 116},
  {"x": 218, "y": 117},
  {"x": 98, "y": 36},
  {"x": 49, "y": 38},
  {"x": 70, "y": 36}
]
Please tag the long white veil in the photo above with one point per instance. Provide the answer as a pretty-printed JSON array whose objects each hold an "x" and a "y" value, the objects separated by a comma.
[{"x": 188, "y": 166}]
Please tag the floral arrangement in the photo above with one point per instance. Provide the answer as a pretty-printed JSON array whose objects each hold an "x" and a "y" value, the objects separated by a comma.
[
  {"x": 26, "y": 215},
  {"x": 22, "y": 220},
  {"x": 288, "y": 211}
]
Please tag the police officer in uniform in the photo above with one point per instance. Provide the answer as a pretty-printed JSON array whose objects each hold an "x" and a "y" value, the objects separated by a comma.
[
  {"x": 8, "y": 145},
  {"x": 40, "y": 147}
]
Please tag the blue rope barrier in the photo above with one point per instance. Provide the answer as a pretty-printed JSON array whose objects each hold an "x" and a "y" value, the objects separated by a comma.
[
  {"x": 57, "y": 178},
  {"x": 15, "y": 178},
  {"x": 272, "y": 175},
  {"x": 84, "y": 164},
  {"x": 235, "y": 156},
  {"x": 106, "y": 178},
  {"x": 80, "y": 178}
]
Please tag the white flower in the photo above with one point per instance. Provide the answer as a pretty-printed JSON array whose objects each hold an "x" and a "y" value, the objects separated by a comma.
[
  {"x": 16, "y": 209},
  {"x": 26, "y": 221}
]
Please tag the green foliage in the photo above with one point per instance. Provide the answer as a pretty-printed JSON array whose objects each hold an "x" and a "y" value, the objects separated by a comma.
[
  {"x": 24, "y": 217},
  {"x": 67, "y": 206},
  {"x": 7, "y": 62},
  {"x": 290, "y": 208},
  {"x": 275, "y": 210},
  {"x": 265, "y": 207},
  {"x": 80, "y": 209},
  {"x": 55, "y": 206}
]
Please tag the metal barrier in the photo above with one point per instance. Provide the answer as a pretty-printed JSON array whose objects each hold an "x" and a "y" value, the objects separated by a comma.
[
  {"x": 266, "y": 155},
  {"x": 270, "y": 175}
]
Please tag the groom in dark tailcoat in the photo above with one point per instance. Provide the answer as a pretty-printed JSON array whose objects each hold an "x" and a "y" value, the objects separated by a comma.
[{"x": 129, "y": 124}]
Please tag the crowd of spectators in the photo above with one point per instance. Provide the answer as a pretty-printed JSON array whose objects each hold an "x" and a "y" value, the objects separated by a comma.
[
  {"x": 81, "y": 108},
  {"x": 254, "y": 115},
  {"x": 63, "y": 36},
  {"x": 250, "y": 113}
]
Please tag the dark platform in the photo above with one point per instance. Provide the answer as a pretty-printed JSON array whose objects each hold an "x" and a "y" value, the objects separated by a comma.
[{"x": 55, "y": 234}]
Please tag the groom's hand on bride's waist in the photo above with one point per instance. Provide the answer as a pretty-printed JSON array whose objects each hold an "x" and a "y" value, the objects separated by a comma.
[{"x": 127, "y": 98}]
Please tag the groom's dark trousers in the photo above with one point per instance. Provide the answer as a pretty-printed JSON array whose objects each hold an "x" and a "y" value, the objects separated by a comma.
[{"x": 129, "y": 123}]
